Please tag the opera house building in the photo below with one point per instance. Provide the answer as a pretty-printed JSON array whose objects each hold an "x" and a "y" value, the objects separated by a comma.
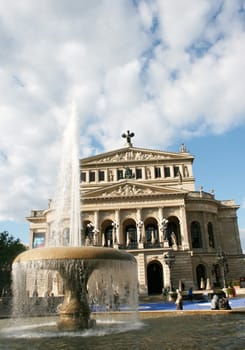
[{"x": 144, "y": 201}]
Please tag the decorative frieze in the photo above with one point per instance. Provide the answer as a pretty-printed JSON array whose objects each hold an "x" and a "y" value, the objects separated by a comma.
[
  {"x": 128, "y": 190},
  {"x": 133, "y": 156}
]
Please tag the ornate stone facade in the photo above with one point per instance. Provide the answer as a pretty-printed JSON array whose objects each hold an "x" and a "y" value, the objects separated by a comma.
[{"x": 145, "y": 201}]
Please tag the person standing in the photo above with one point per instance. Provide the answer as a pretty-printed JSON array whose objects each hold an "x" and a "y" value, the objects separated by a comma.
[
  {"x": 190, "y": 294},
  {"x": 215, "y": 302},
  {"x": 179, "y": 301}
]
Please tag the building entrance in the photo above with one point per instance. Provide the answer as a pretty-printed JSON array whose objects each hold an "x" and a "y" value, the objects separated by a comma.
[
  {"x": 154, "y": 278},
  {"x": 201, "y": 276}
]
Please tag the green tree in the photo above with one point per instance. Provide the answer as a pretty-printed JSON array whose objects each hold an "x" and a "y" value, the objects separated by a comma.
[{"x": 9, "y": 249}]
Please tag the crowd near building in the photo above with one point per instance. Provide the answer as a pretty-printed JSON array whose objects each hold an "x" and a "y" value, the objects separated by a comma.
[{"x": 144, "y": 201}]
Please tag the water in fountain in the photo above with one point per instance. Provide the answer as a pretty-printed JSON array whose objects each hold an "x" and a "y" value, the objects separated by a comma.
[
  {"x": 92, "y": 278},
  {"x": 67, "y": 197},
  {"x": 99, "y": 280}
]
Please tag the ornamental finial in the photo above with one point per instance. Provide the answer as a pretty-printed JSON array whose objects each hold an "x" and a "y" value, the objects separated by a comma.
[{"x": 128, "y": 137}]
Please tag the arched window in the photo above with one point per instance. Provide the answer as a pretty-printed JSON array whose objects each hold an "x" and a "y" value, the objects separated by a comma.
[
  {"x": 174, "y": 236},
  {"x": 196, "y": 238},
  {"x": 151, "y": 234},
  {"x": 131, "y": 236},
  {"x": 210, "y": 235}
]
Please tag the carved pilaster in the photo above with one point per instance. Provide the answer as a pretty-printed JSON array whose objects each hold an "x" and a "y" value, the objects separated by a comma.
[
  {"x": 96, "y": 228},
  {"x": 184, "y": 229}
]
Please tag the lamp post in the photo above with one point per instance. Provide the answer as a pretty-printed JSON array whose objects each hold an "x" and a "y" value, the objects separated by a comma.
[
  {"x": 222, "y": 260},
  {"x": 169, "y": 259}
]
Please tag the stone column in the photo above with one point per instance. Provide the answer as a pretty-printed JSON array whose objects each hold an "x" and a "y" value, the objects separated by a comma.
[
  {"x": 160, "y": 226},
  {"x": 115, "y": 225},
  {"x": 142, "y": 274},
  {"x": 163, "y": 228},
  {"x": 184, "y": 229},
  {"x": 31, "y": 238},
  {"x": 140, "y": 225},
  {"x": 96, "y": 227}
]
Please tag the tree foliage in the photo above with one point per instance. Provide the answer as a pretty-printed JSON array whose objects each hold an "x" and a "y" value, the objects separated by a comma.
[{"x": 9, "y": 249}]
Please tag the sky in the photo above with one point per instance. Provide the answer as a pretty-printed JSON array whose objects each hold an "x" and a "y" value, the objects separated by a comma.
[{"x": 172, "y": 72}]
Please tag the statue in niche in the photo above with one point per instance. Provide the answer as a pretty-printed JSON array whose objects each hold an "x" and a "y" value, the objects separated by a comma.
[
  {"x": 211, "y": 239},
  {"x": 110, "y": 176},
  {"x": 186, "y": 172},
  {"x": 128, "y": 173},
  {"x": 180, "y": 177},
  {"x": 173, "y": 239},
  {"x": 148, "y": 173}
]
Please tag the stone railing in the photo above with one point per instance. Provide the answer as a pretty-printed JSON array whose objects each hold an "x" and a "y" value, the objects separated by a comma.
[
  {"x": 200, "y": 194},
  {"x": 37, "y": 213}
]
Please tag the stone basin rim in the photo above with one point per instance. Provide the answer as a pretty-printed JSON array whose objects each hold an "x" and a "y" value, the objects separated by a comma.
[{"x": 63, "y": 253}]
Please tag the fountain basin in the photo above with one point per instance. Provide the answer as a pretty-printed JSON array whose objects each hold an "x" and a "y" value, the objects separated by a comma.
[
  {"x": 59, "y": 253},
  {"x": 75, "y": 265}
]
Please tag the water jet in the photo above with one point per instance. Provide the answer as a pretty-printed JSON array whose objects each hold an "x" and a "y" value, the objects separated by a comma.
[{"x": 87, "y": 273}]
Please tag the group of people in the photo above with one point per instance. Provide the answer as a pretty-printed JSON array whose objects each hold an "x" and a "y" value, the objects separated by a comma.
[{"x": 220, "y": 303}]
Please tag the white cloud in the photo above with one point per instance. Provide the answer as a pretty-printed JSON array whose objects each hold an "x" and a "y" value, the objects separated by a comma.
[
  {"x": 181, "y": 23},
  {"x": 158, "y": 65}
]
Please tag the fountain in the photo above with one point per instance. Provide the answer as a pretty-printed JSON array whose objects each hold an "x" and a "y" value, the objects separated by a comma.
[
  {"x": 86, "y": 271},
  {"x": 93, "y": 272}
]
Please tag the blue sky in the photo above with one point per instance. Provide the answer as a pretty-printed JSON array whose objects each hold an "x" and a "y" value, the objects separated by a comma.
[{"x": 172, "y": 72}]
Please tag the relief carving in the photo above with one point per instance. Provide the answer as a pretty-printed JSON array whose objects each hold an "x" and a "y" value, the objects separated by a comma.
[
  {"x": 133, "y": 155},
  {"x": 127, "y": 190}
]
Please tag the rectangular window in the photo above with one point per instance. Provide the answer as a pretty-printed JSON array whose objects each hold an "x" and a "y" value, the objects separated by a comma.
[
  {"x": 119, "y": 174},
  {"x": 176, "y": 171},
  {"x": 157, "y": 172},
  {"x": 91, "y": 176},
  {"x": 166, "y": 171},
  {"x": 101, "y": 175},
  {"x": 38, "y": 239},
  {"x": 138, "y": 173},
  {"x": 83, "y": 177}
]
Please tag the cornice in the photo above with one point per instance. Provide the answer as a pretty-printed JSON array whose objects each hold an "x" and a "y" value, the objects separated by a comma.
[
  {"x": 133, "y": 154},
  {"x": 131, "y": 189}
]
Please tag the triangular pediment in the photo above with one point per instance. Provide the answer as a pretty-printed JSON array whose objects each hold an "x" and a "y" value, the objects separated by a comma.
[
  {"x": 131, "y": 189},
  {"x": 133, "y": 154}
]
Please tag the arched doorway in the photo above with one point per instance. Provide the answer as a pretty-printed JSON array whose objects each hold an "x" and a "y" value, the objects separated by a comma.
[
  {"x": 201, "y": 276},
  {"x": 217, "y": 275},
  {"x": 154, "y": 277}
]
